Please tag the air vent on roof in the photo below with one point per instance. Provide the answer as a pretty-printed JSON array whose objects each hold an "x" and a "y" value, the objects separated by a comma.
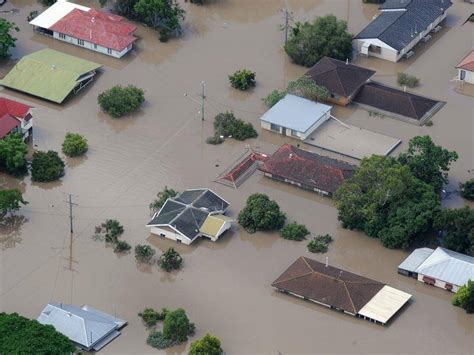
[
  {"x": 53, "y": 66},
  {"x": 93, "y": 19}
]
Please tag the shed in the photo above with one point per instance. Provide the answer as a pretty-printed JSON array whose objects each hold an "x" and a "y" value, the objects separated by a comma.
[
  {"x": 466, "y": 69},
  {"x": 295, "y": 117}
]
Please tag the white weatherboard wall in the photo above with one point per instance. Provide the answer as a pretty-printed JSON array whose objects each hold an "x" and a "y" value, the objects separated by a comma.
[
  {"x": 168, "y": 233},
  {"x": 468, "y": 76},
  {"x": 439, "y": 283},
  {"x": 92, "y": 46}
]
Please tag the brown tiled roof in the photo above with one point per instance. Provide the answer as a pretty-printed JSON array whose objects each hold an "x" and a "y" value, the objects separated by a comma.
[
  {"x": 308, "y": 168},
  {"x": 339, "y": 77},
  {"x": 394, "y": 100},
  {"x": 467, "y": 63},
  {"x": 328, "y": 285}
]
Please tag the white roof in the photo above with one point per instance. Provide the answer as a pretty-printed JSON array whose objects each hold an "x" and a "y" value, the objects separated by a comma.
[
  {"x": 295, "y": 113},
  {"x": 85, "y": 326},
  {"x": 448, "y": 266},
  {"x": 56, "y": 12},
  {"x": 385, "y": 304},
  {"x": 415, "y": 259}
]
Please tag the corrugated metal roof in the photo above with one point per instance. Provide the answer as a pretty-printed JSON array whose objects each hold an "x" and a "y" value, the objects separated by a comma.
[
  {"x": 415, "y": 259},
  {"x": 48, "y": 74},
  {"x": 448, "y": 266},
  {"x": 296, "y": 113},
  {"x": 213, "y": 225},
  {"x": 56, "y": 12},
  {"x": 385, "y": 304}
]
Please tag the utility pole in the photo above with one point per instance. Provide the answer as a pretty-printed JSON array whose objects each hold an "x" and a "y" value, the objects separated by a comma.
[
  {"x": 286, "y": 26},
  {"x": 70, "y": 259},
  {"x": 203, "y": 98}
]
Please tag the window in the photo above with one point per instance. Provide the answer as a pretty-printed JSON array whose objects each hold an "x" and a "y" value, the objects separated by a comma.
[
  {"x": 375, "y": 49},
  {"x": 62, "y": 35},
  {"x": 462, "y": 75},
  {"x": 429, "y": 280},
  {"x": 275, "y": 127},
  {"x": 448, "y": 286},
  {"x": 109, "y": 51},
  {"x": 95, "y": 46},
  {"x": 80, "y": 42},
  {"x": 294, "y": 133}
]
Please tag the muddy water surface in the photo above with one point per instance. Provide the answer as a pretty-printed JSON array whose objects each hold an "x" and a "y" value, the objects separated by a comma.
[{"x": 224, "y": 286}]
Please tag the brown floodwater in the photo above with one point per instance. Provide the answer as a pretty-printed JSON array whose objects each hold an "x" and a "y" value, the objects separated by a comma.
[{"x": 224, "y": 286}]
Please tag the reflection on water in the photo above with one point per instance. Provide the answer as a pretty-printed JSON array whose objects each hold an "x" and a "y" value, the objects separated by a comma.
[{"x": 10, "y": 231}]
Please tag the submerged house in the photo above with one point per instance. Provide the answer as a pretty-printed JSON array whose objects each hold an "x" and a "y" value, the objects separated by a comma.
[
  {"x": 295, "y": 117},
  {"x": 341, "y": 290},
  {"x": 88, "y": 328},
  {"x": 193, "y": 213},
  {"x": 15, "y": 117},
  {"x": 343, "y": 80},
  {"x": 50, "y": 75},
  {"x": 442, "y": 267},
  {"x": 307, "y": 170},
  {"x": 401, "y": 25},
  {"x": 466, "y": 69},
  {"x": 85, "y": 27}
]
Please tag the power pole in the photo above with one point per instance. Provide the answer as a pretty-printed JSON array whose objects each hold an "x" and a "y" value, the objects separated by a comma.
[
  {"x": 203, "y": 98},
  {"x": 286, "y": 26},
  {"x": 70, "y": 259}
]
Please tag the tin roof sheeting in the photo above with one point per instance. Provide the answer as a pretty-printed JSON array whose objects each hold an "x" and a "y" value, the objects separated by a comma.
[
  {"x": 415, "y": 259},
  {"x": 56, "y": 12},
  {"x": 213, "y": 225}
]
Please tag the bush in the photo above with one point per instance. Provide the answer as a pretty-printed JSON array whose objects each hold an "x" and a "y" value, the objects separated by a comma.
[
  {"x": 12, "y": 155},
  {"x": 272, "y": 98},
  {"x": 121, "y": 246},
  {"x": 74, "y": 145},
  {"x": 471, "y": 18},
  {"x": 10, "y": 201},
  {"x": 161, "y": 198},
  {"x": 306, "y": 87},
  {"x": 227, "y": 125},
  {"x": 261, "y": 214},
  {"x": 464, "y": 297},
  {"x": 294, "y": 231},
  {"x": 325, "y": 36},
  {"x": 46, "y": 166},
  {"x": 119, "y": 101},
  {"x": 207, "y": 345},
  {"x": 150, "y": 317},
  {"x": 170, "y": 260},
  {"x": 144, "y": 253},
  {"x": 242, "y": 79},
  {"x": 409, "y": 80},
  {"x": 177, "y": 326},
  {"x": 215, "y": 140},
  {"x": 319, "y": 244},
  {"x": 467, "y": 189},
  {"x": 7, "y": 41},
  {"x": 159, "y": 341},
  {"x": 20, "y": 335},
  {"x": 457, "y": 225},
  {"x": 111, "y": 229}
]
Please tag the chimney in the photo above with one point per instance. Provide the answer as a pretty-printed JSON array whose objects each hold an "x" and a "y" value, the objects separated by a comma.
[{"x": 347, "y": 61}]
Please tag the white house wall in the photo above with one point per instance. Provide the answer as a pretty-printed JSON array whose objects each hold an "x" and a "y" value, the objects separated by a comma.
[
  {"x": 469, "y": 78},
  {"x": 438, "y": 283},
  {"x": 170, "y": 235},
  {"x": 301, "y": 136},
  {"x": 93, "y": 47}
]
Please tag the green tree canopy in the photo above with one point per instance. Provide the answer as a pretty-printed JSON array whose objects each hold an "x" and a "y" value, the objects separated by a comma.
[
  {"x": 458, "y": 229},
  {"x": 325, "y": 36},
  {"x": 207, "y": 345},
  {"x": 46, "y": 166},
  {"x": 261, "y": 214},
  {"x": 119, "y": 101},
  {"x": 20, "y": 335},
  {"x": 242, "y": 79},
  {"x": 170, "y": 260},
  {"x": 177, "y": 326},
  {"x": 386, "y": 201},
  {"x": 10, "y": 201},
  {"x": 161, "y": 198},
  {"x": 427, "y": 161},
  {"x": 467, "y": 189},
  {"x": 7, "y": 41},
  {"x": 294, "y": 231},
  {"x": 74, "y": 145},
  {"x": 12, "y": 155},
  {"x": 464, "y": 297},
  {"x": 307, "y": 88}
]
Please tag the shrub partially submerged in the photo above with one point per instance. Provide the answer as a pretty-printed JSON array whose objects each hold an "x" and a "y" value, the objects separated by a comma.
[
  {"x": 170, "y": 260},
  {"x": 242, "y": 79},
  {"x": 404, "y": 79},
  {"x": 74, "y": 145},
  {"x": 319, "y": 244},
  {"x": 294, "y": 231},
  {"x": 151, "y": 317},
  {"x": 46, "y": 166},
  {"x": 227, "y": 125},
  {"x": 119, "y": 101}
]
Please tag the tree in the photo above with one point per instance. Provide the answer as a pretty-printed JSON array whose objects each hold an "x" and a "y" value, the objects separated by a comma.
[
  {"x": 20, "y": 335},
  {"x": 46, "y": 166},
  {"x": 48, "y": 2},
  {"x": 150, "y": 317},
  {"x": 294, "y": 231},
  {"x": 74, "y": 145},
  {"x": 177, "y": 326},
  {"x": 261, "y": 214},
  {"x": 325, "y": 36},
  {"x": 170, "y": 260},
  {"x": 307, "y": 88},
  {"x": 144, "y": 253},
  {"x": 319, "y": 244},
  {"x": 12, "y": 155},
  {"x": 467, "y": 189},
  {"x": 242, "y": 79},
  {"x": 162, "y": 14},
  {"x": 464, "y": 297},
  {"x": 161, "y": 198},
  {"x": 7, "y": 41},
  {"x": 272, "y": 98},
  {"x": 121, "y": 246},
  {"x": 111, "y": 230},
  {"x": 119, "y": 101},
  {"x": 227, "y": 125},
  {"x": 427, "y": 161},
  {"x": 207, "y": 345},
  {"x": 10, "y": 201},
  {"x": 404, "y": 79},
  {"x": 386, "y": 201},
  {"x": 458, "y": 229},
  {"x": 125, "y": 8}
]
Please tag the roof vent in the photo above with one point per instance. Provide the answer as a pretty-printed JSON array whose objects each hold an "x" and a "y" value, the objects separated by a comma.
[
  {"x": 69, "y": 314},
  {"x": 347, "y": 61},
  {"x": 291, "y": 155},
  {"x": 340, "y": 274},
  {"x": 93, "y": 19},
  {"x": 53, "y": 66}
]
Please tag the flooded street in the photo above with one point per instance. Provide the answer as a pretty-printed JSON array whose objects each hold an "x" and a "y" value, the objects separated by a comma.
[{"x": 225, "y": 286}]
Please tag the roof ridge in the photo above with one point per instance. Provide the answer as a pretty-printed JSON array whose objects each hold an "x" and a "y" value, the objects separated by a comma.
[
  {"x": 350, "y": 298},
  {"x": 293, "y": 278}
]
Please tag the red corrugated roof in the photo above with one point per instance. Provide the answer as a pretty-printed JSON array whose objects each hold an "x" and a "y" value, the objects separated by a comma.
[
  {"x": 97, "y": 27},
  {"x": 7, "y": 123},
  {"x": 9, "y": 110},
  {"x": 467, "y": 63}
]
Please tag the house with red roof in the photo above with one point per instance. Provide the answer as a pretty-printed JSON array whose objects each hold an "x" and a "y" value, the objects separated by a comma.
[
  {"x": 86, "y": 27},
  {"x": 307, "y": 170},
  {"x": 466, "y": 69},
  {"x": 15, "y": 117}
]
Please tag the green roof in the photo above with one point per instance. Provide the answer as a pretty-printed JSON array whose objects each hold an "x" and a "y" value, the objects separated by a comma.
[{"x": 48, "y": 74}]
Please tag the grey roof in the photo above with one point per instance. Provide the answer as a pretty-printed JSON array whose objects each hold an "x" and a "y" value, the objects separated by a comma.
[
  {"x": 295, "y": 113},
  {"x": 400, "y": 21},
  {"x": 84, "y": 325},
  {"x": 415, "y": 259},
  {"x": 187, "y": 212}
]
